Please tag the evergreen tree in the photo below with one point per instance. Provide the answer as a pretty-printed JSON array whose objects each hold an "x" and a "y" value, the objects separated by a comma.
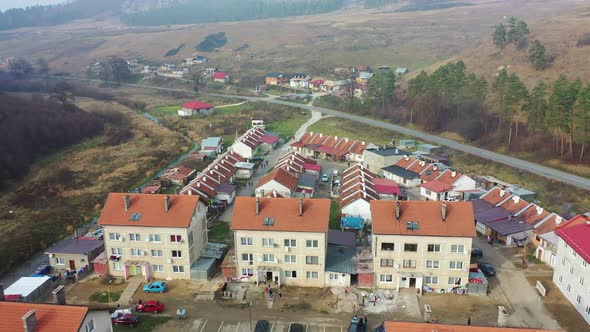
[
  {"x": 516, "y": 95},
  {"x": 537, "y": 55},
  {"x": 380, "y": 89},
  {"x": 559, "y": 118},
  {"x": 536, "y": 108},
  {"x": 500, "y": 88},
  {"x": 517, "y": 33},
  {"x": 499, "y": 36},
  {"x": 582, "y": 119}
]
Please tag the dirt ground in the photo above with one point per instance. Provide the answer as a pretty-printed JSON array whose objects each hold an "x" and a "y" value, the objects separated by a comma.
[
  {"x": 561, "y": 309},
  {"x": 86, "y": 287},
  {"x": 455, "y": 309}
]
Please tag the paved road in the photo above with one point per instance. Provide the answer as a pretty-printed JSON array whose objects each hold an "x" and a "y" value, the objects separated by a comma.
[{"x": 544, "y": 171}]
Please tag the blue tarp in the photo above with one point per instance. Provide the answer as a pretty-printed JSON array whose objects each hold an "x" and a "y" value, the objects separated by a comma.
[{"x": 353, "y": 222}]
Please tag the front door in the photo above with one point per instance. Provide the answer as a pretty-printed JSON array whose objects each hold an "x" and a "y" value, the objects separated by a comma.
[
  {"x": 412, "y": 282},
  {"x": 72, "y": 265},
  {"x": 269, "y": 276}
]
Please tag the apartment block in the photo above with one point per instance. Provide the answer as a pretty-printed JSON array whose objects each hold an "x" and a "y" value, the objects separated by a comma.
[
  {"x": 420, "y": 244},
  {"x": 155, "y": 236},
  {"x": 281, "y": 240}
]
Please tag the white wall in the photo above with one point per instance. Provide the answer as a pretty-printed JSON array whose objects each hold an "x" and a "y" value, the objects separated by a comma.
[
  {"x": 101, "y": 319},
  {"x": 270, "y": 186},
  {"x": 431, "y": 195},
  {"x": 359, "y": 207},
  {"x": 341, "y": 279},
  {"x": 463, "y": 183},
  {"x": 242, "y": 149}
]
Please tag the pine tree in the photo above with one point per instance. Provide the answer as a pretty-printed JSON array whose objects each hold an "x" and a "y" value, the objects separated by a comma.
[
  {"x": 499, "y": 36},
  {"x": 516, "y": 95},
  {"x": 582, "y": 119},
  {"x": 499, "y": 87},
  {"x": 559, "y": 117},
  {"x": 536, "y": 108},
  {"x": 537, "y": 55}
]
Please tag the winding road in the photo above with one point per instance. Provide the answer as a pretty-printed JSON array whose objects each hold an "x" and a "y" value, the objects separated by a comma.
[{"x": 537, "y": 169}]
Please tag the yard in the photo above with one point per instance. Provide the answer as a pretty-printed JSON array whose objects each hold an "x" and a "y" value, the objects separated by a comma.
[
  {"x": 354, "y": 130},
  {"x": 219, "y": 232}
]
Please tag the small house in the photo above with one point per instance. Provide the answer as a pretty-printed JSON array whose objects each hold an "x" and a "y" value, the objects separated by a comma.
[
  {"x": 179, "y": 175},
  {"x": 306, "y": 184},
  {"x": 313, "y": 169},
  {"x": 278, "y": 182},
  {"x": 402, "y": 176},
  {"x": 155, "y": 189},
  {"x": 101, "y": 264},
  {"x": 364, "y": 77},
  {"x": 74, "y": 254},
  {"x": 225, "y": 193},
  {"x": 401, "y": 71},
  {"x": 244, "y": 170},
  {"x": 275, "y": 79},
  {"x": 195, "y": 107},
  {"x": 269, "y": 142},
  {"x": 387, "y": 189},
  {"x": 378, "y": 157},
  {"x": 435, "y": 190},
  {"x": 316, "y": 85},
  {"x": 29, "y": 289},
  {"x": 212, "y": 146},
  {"x": 428, "y": 149},
  {"x": 220, "y": 77}
]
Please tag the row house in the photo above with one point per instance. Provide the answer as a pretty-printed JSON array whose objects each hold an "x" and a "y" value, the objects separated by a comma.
[
  {"x": 283, "y": 241},
  {"x": 153, "y": 235},
  {"x": 318, "y": 145},
  {"x": 179, "y": 175},
  {"x": 295, "y": 163},
  {"x": 445, "y": 184},
  {"x": 277, "y": 183},
  {"x": 422, "y": 245},
  {"x": 377, "y": 158},
  {"x": 247, "y": 146},
  {"x": 356, "y": 192}
]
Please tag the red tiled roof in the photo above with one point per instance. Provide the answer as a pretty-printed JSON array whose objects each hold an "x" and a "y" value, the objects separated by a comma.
[
  {"x": 50, "y": 317},
  {"x": 419, "y": 167},
  {"x": 552, "y": 223},
  {"x": 331, "y": 151},
  {"x": 532, "y": 216},
  {"x": 495, "y": 195},
  {"x": 514, "y": 204},
  {"x": 285, "y": 211},
  {"x": 316, "y": 82},
  {"x": 151, "y": 207},
  {"x": 437, "y": 186},
  {"x": 312, "y": 167},
  {"x": 297, "y": 144},
  {"x": 431, "y": 174},
  {"x": 281, "y": 176},
  {"x": 448, "y": 178},
  {"x": 577, "y": 237},
  {"x": 151, "y": 189},
  {"x": 405, "y": 162},
  {"x": 220, "y": 75},
  {"x": 196, "y": 105},
  {"x": 428, "y": 214},
  {"x": 269, "y": 139},
  {"x": 427, "y": 327}
]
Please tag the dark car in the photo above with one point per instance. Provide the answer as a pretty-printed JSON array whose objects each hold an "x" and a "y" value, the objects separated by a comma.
[
  {"x": 261, "y": 326},
  {"x": 295, "y": 327},
  {"x": 476, "y": 252},
  {"x": 126, "y": 319},
  {"x": 357, "y": 325},
  {"x": 487, "y": 269}
]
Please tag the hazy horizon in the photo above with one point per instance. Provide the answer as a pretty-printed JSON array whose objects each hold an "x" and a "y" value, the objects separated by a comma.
[{"x": 9, "y": 4}]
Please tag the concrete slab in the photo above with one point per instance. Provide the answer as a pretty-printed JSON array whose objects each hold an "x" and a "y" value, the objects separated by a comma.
[
  {"x": 230, "y": 327},
  {"x": 279, "y": 326},
  {"x": 197, "y": 325}
]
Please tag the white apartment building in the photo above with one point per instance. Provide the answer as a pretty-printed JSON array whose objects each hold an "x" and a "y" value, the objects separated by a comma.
[
  {"x": 281, "y": 240},
  {"x": 420, "y": 244},
  {"x": 155, "y": 236}
]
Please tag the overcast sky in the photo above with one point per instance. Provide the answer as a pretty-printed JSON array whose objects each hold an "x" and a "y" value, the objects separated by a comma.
[{"x": 7, "y": 4}]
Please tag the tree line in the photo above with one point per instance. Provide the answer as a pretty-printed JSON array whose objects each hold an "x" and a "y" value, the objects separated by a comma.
[
  {"x": 453, "y": 99},
  {"x": 516, "y": 32}
]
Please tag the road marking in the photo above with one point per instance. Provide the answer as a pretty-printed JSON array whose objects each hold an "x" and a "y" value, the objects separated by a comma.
[
  {"x": 272, "y": 326},
  {"x": 203, "y": 327},
  {"x": 237, "y": 327},
  {"x": 219, "y": 329},
  {"x": 306, "y": 326},
  {"x": 324, "y": 328},
  {"x": 289, "y": 329}
]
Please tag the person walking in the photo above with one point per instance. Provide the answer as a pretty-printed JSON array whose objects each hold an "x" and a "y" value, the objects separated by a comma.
[{"x": 468, "y": 320}]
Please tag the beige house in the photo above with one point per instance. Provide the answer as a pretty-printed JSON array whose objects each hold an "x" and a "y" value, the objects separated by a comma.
[
  {"x": 281, "y": 240},
  {"x": 74, "y": 254},
  {"x": 156, "y": 236},
  {"x": 422, "y": 244}
]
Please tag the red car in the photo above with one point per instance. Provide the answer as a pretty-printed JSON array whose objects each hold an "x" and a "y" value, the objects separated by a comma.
[
  {"x": 126, "y": 319},
  {"x": 151, "y": 306}
]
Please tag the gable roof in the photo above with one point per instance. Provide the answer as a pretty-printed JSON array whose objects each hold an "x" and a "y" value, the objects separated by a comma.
[
  {"x": 386, "y": 187},
  {"x": 437, "y": 186},
  {"x": 152, "y": 209},
  {"x": 577, "y": 237},
  {"x": 285, "y": 211},
  {"x": 220, "y": 74},
  {"x": 210, "y": 142},
  {"x": 406, "y": 162},
  {"x": 401, "y": 172},
  {"x": 515, "y": 204},
  {"x": 496, "y": 195},
  {"x": 449, "y": 176},
  {"x": 281, "y": 176},
  {"x": 419, "y": 167},
  {"x": 196, "y": 105},
  {"x": 427, "y": 327},
  {"x": 459, "y": 220},
  {"x": 74, "y": 246},
  {"x": 50, "y": 317}
]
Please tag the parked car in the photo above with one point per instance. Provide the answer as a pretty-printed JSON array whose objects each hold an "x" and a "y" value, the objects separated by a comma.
[
  {"x": 325, "y": 177},
  {"x": 476, "y": 252},
  {"x": 126, "y": 319},
  {"x": 356, "y": 324},
  {"x": 155, "y": 287},
  {"x": 261, "y": 326},
  {"x": 151, "y": 306},
  {"x": 487, "y": 269},
  {"x": 295, "y": 327}
]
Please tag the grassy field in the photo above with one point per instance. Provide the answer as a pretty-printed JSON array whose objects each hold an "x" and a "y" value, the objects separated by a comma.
[
  {"x": 219, "y": 232},
  {"x": 105, "y": 297},
  {"x": 354, "y": 130},
  {"x": 163, "y": 111}
]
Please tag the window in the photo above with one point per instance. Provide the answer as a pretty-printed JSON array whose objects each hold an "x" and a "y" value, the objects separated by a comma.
[
  {"x": 578, "y": 299},
  {"x": 291, "y": 274},
  {"x": 588, "y": 310},
  {"x": 569, "y": 288},
  {"x": 571, "y": 270},
  {"x": 434, "y": 248},
  {"x": 428, "y": 192},
  {"x": 312, "y": 260},
  {"x": 560, "y": 279},
  {"x": 268, "y": 258},
  {"x": 413, "y": 247},
  {"x": 457, "y": 248},
  {"x": 156, "y": 253},
  {"x": 157, "y": 268},
  {"x": 175, "y": 238},
  {"x": 563, "y": 261},
  {"x": 333, "y": 276},
  {"x": 410, "y": 263},
  {"x": 455, "y": 265},
  {"x": 386, "y": 278},
  {"x": 454, "y": 281},
  {"x": 290, "y": 243},
  {"x": 134, "y": 237},
  {"x": 117, "y": 266},
  {"x": 177, "y": 253},
  {"x": 154, "y": 238},
  {"x": 178, "y": 268},
  {"x": 584, "y": 263},
  {"x": 431, "y": 280},
  {"x": 60, "y": 261},
  {"x": 565, "y": 245},
  {"x": 247, "y": 272},
  {"x": 291, "y": 259},
  {"x": 115, "y": 236},
  {"x": 311, "y": 275},
  {"x": 386, "y": 262},
  {"x": 268, "y": 242},
  {"x": 574, "y": 253},
  {"x": 136, "y": 252},
  {"x": 387, "y": 246},
  {"x": 311, "y": 244},
  {"x": 246, "y": 241},
  {"x": 432, "y": 264},
  {"x": 248, "y": 257},
  {"x": 89, "y": 326}
]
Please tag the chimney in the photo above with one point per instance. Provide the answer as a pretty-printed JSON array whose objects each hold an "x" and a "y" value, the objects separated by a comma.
[
  {"x": 262, "y": 192},
  {"x": 2, "y": 292},
  {"x": 127, "y": 202},
  {"x": 167, "y": 203},
  {"x": 29, "y": 321},
  {"x": 398, "y": 210},
  {"x": 59, "y": 295},
  {"x": 300, "y": 207},
  {"x": 257, "y": 205},
  {"x": 444, "y": 211}
]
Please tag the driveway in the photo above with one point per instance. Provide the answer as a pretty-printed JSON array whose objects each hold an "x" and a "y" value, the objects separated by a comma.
[{"x": 526, "y": 309}]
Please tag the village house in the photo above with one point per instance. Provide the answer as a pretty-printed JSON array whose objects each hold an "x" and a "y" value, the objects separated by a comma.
[
  {"x": 275, "y": 79},
  {"x": 420, "y": 244},
  {"x": 248, "y": 145},
  {"x": 297, "y": 164},
  {"x": 378, "y": 157},
  {"x": 74, "y": 254},
  {"x": 191, "y": 108},
  {"x": 387, "y": 189},
  {"x": 318, "y": 145},
  {"x": 281, "y": 240},
  {"x": 360, "y": 90},
  {"x": 459, "y": 182},
  {"x": 306, "y": 185},
  {"x": 364, "y": 77},
  {"x": 435, "y": 190},
  {"x": 299, "y": 81},
  {"x": 269, "y": 142},
  {"x": 179, "y": 175},
  {"x": 356, "y": 192},
  {"x": 316, "y": 85},
  {"x": 225, "y": 193},
  {"x": 154, "y": 236},
  {"x": 221, "y": 171},
  {"x": 244, "y": 170},
  {"x": 278, "y": 183},
  {"x": 220, "y": 77},
  {"x": 401, "y": 71},
  {"x": 212, "y": 146},
  {"x": 402, "y": 176}
]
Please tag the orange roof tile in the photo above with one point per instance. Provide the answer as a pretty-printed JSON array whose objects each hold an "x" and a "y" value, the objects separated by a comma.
[
  {"x": 495, "y": 195},
  {"x": 427, "y": 327},
  {"x": 428, "y": 214},
  {"x": 448, "y": 178},
  {"x": 514, "y": 204},
  {"x": 285, "y": 211},
  {"x": 405, "y": 162},
  {"x": 553, "y": 222},
  {"x": 419, "y": 167},
  {"x": 281, "y": 176},
  {"x": 533, "y": 214},
  {"x": 50, "y": 317},
  {"x": 437, "y": 186},
  {"x": 152, "y": 209},
  {"x": 431, "y": 174}
]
